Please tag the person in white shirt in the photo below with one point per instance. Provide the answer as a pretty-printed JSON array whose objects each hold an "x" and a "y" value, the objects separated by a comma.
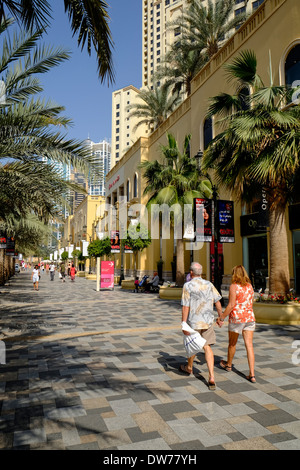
[
  {"x": 52, "y": 271},
  {"x": 35, "y": 276}
]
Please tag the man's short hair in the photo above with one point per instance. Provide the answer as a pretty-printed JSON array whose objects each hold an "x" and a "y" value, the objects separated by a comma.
[{"x": 196, "y": 269}]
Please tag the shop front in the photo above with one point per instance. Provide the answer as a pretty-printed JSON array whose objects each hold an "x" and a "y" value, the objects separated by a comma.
[{"x": 255, "y": 250}]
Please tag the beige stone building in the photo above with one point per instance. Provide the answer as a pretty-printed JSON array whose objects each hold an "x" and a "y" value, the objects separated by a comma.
[
  {"x": 123, "y": 135},
  {"x": 157, "y": 37},
  {"x": 273, "y": 29}
]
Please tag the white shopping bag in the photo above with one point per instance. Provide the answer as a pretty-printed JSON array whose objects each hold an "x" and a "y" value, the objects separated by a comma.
[{"x": 194, "y": 342}]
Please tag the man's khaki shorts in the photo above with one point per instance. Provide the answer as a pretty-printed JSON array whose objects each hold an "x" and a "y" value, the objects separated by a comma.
[{"x": 208, "y": 334}]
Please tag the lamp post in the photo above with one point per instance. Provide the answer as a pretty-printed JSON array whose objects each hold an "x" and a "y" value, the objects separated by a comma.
[
  {"x": 198, "y": 158},
  {"x": 85, "y": 233},
  {"x": 217, "y": 283}
]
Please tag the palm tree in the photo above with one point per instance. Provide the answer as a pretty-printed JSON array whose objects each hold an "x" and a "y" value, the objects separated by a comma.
[
  {"x": 258, "y": 147},
  {"x": 204, "y": 29},
  {"x": 29, "y": 185},
  {"x": 180, "y": 66},
  {"x": 28, "y": 124},
  {"x": 156, "y": 106},
  {"x": 174, "y": 181},
  {"x": 89, "y": 20}
]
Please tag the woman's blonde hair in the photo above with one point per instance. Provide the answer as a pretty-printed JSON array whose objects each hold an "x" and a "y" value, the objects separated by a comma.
[{"x": 240, "y": 276}]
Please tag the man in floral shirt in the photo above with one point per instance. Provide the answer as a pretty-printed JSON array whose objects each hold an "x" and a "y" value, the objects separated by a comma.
[{"x": 198, "y": 299}]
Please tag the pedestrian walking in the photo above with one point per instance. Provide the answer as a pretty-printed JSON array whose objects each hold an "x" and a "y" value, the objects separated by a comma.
[
  {"x": 52, "y": 271},
  {"x": 198, "y": 299},
  {"x": 35, "y": 277},
  {"x": 62, "y": 272},
  {"x": 73, "y": 271},
  {"x": 241, "y": 319}
]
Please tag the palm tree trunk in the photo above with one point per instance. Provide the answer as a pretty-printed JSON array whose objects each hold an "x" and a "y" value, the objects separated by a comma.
[
  {"x": 279, "y": 259},
  {"x": 180, "y": 263}
]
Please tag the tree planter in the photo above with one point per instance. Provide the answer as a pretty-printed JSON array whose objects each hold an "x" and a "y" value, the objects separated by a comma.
[
  {"x": 128, "y": 284},
  {"x": 170, "y": 293},
  {"x": 277, "y": 314},
  {"x": 80, "y": 273}
]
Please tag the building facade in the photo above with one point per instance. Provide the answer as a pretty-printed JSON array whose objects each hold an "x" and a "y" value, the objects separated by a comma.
[
  {"x": 123, "y": 133},
  {"x": 272, "y": 30}
]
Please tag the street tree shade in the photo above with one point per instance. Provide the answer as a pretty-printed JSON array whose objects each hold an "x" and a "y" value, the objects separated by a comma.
[
  {"x": 88, "y": 19},
  {"x": 257, "y": 148}
]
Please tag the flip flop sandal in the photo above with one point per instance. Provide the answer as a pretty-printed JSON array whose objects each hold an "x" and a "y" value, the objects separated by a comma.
[
  {"x": 183, "y": 370},
  {"x": 224, "y": 366},
  {"x": 211, "y": 385},
  {"x": 251, "y": 379}
]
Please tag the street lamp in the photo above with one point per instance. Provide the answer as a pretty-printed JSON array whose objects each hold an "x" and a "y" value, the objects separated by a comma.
[{"x": 198, "y": 158}]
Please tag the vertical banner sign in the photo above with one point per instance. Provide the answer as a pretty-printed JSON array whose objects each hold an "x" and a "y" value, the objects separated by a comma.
[
  {"x": 263, "y": 212},
  {"x": 203, "y": 219},
  {"x": 3, "y": 240},
  {"x": 107, "y": 275},
  {"x": 225, "y": 226},
  {"x": 115, "y": 241},
  {"x": 10, "y": 248}
]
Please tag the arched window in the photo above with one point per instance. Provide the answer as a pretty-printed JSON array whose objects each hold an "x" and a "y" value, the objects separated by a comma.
[
  {"x": 292, "y": 65},
  {"x": 128, "y": 190},
  {"x": 207, "y": 132},
  {"x": 135, "y": 186}
]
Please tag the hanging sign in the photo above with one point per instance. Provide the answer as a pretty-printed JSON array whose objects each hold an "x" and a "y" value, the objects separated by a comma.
[
  {"x": 225, "y": 222},
  {"x": 10, "y": 247},
  {"x": 203, "y": 219},
  {"x": 115, "y": 241},
  {"x": 3, "y": 240}
]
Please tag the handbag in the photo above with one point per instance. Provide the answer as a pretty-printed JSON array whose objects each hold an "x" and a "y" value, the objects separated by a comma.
[{"x": 194, "y": 342}]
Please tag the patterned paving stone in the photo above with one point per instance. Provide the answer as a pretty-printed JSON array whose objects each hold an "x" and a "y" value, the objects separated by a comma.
[{"x": 88, "y": 370}]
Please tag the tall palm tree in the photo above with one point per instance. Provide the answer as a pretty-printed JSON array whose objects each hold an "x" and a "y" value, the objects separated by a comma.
[
  {"x": 204, "y": 28},
  {"x": 155, "y": 106},
  {"x": 180, "y": 66},
  {"x": 28, "y": 133},
  {"x": 89, "y": 21},
  {"x": 27, "y": 123},
  {"x": 175, "y": 180},
  {"x": 258, "y": 147}
]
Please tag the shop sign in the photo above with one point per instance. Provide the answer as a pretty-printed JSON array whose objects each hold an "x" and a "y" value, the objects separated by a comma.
[
  {"x": 250, "y": 225},
  {"x": 263, "y": 212}
]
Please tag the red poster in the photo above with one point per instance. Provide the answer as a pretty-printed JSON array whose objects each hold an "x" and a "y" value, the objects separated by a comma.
[{"x": 107, "y": 274}]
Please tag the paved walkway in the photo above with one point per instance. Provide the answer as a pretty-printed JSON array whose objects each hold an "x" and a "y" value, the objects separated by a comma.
[{"x": 99, "y": 370}]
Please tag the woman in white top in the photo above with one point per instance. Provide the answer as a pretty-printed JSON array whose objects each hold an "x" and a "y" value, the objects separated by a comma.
[{"x": 35, "y": 277}]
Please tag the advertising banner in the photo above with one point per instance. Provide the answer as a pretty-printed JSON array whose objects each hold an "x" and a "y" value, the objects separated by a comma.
[
  {"x": 203, "y": 219},
  {"x": 225, "y": 221},
  {"x": 115, "y": 241},
  {"x": 3, "y": 240},
  {"x": 107, "y": 274},
  {"x": 10, "y": 247}
]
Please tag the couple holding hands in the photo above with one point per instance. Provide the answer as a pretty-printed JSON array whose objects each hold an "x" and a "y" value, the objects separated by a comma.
[{"x": 198, "y": 299}]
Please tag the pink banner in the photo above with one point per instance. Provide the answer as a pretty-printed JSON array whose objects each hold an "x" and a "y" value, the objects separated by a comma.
[{"x": 107, "y": 274}]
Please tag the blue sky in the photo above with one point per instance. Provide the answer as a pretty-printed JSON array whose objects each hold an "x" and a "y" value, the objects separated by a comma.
[{"x": 75, "y": 83}]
